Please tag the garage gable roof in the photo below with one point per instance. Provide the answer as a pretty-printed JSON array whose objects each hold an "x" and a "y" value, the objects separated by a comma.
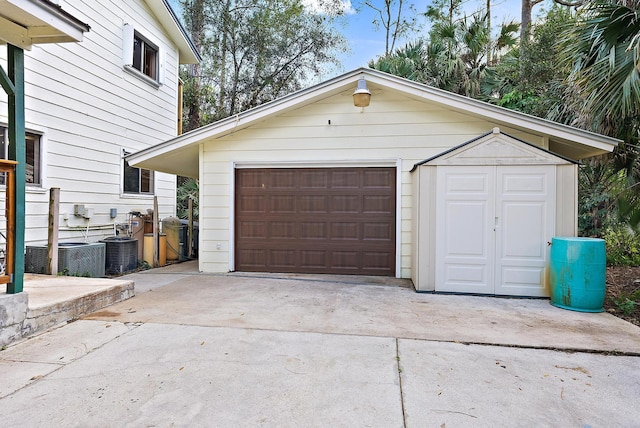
[{"x": 180, "y": 155}]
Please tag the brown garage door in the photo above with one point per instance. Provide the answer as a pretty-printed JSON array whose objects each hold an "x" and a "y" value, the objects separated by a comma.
[{"x": 316, "y": 220}]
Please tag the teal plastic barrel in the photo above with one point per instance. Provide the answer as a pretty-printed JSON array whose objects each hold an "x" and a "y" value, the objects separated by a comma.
[{"x": 577, "y": 273}]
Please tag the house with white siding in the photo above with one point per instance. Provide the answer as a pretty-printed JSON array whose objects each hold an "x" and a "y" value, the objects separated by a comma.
[
  {"x": 89, "y": 104},
  {"x": 456, "y": 194}
]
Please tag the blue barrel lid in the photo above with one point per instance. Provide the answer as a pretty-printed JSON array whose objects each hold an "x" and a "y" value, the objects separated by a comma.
[{"x": 576, "y": 239}]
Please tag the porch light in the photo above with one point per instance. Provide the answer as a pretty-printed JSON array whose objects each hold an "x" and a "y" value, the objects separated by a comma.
[{"x": 361, "y": 96}]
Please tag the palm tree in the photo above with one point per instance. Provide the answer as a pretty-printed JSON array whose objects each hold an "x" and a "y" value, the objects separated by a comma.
[
  {"x": 605, "y": 52},
  {"x": 453, "y": 58},
  {"x": 603, "y": 88}
]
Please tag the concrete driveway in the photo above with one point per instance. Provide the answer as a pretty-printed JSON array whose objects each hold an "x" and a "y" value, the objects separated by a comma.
[{"x": 266, "y": 350}]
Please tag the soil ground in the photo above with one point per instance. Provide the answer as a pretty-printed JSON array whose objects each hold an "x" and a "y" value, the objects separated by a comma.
[{"x": 623, "y": 293}]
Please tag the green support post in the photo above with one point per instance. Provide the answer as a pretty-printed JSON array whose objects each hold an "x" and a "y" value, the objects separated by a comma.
[{"x": 17, "y": 152}]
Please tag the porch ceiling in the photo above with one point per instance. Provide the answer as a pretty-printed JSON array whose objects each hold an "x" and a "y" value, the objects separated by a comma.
[{"x": 24, "y": 23}]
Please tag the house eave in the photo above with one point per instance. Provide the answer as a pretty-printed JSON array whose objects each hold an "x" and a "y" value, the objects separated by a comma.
[
  {"x": 24, "y": 23},
  {"x": 170, "y": 22}
]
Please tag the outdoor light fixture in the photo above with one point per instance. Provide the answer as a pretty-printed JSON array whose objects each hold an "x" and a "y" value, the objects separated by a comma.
[{"x": 362, "y": 95}]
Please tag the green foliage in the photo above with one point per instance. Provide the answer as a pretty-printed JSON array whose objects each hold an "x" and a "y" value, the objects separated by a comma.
[
  {"x": 531, "y": 77},
  {"x": 600, "y": 186},
  {"x": 253, "y": 52},
  {"x": 188, "y": 188},
  {"x": 517, "y": 100},
  {"x": 453, "y": 57},
  {"x": 66, "y": 272},
  {"x": 623, "y": 246},
  {"x": 604, "y": 51},
  {"x": 628, "y": 303}
]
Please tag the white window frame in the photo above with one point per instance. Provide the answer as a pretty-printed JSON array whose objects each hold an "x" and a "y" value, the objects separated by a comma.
[
  {"x": 40, "y": 155},
  {"x": 124, "y": 194},
  {"x": 128, "y": 37}
]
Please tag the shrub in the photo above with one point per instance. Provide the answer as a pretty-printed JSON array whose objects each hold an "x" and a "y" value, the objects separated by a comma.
[{"x": 623, "y": 246}]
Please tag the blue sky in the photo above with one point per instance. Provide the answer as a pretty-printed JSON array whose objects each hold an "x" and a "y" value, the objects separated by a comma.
[{"x": 367, "y": 43}]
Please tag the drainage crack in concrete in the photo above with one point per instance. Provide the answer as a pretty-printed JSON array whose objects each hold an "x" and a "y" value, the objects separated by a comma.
[
  {"x": 614, "y": 352},
  {"x": 404, "y": 417}
]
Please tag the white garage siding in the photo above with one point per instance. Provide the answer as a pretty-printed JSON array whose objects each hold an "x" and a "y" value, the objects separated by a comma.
[{"x": 329, "y": 133}]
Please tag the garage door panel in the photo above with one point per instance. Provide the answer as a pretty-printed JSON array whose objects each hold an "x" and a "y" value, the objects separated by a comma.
[
  {"x": 256, "y": 259},
  {"x": 313, "y": 259},
  {"x": 282, "y": 179},
  {"x": 252, "y": 230},
  {"x": 250, "y": 179},
  {"x": 345, "y": 231},
  {"x": 372, "y": 262},
  {"x": 313, "y": 204},
  {"x": 346, "y": 204},
  {"x": 313, "y": 230},
  {"x": 346, "y": 179},
  {"x": 249, "y": 204},
  {"x": 341, "y": 223},
  {"x": 282, "y": 259},
  {"x": 344, "y": 260},
  {"x": 282, "y": 230},
  {"x": 281, "y": 204},
  {"x": 380, "y": 178},
  {"x": 378, "y": 231},
  {"x": 313, "y": 179},
  {"x": 382, "y": 204}
]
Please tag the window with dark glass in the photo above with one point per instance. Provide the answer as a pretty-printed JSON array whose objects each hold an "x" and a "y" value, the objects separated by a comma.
[
  {"x": 33, "y": 159},
  {"x": 137, "y": 180},
  {"x": 145, "y": 56}
]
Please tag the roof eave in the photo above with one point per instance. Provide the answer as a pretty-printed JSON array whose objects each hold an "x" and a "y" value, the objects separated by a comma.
[
  {"x": 188, "y": 52},
  {"x": 55, "y": 25},
  {"x": 499, "y": 114},
  {"x": 505, "y": 117}
]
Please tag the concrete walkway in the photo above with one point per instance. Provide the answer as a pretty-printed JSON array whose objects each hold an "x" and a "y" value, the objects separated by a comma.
[{"x": 267, "y": 350}]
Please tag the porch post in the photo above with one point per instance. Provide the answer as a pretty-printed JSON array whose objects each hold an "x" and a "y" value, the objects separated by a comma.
[{"x": 17, "y": 152}]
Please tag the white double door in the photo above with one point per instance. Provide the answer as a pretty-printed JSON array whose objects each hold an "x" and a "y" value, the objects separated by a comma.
[{"x": 493, "y": 224}]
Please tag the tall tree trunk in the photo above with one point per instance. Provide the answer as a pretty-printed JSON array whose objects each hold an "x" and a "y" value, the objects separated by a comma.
[
  {"x": 489, "y": 33},
  {"x": 195, "y": 14},
  {"x": 226, "y": 18}
]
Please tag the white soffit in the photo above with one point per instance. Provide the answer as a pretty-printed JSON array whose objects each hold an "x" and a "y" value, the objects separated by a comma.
[{"x": 24, "y": 23}]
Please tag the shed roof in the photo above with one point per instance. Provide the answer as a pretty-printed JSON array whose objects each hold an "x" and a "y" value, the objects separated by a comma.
[
  {"x": 495, "y": 132},
  {"x": 24, "y": 23},
  {"x": 180, "y": 155}
]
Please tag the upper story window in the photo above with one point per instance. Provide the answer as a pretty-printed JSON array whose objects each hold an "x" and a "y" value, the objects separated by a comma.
[
  {"x": 137, "y": 180},
  {"x": 142, "y": 57},
  {"x": 33, "y": 155},
  {"x": 145, "y": 57}
]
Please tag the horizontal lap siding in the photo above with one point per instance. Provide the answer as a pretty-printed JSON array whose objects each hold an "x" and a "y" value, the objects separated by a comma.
[
  {"x": 88, "y": 108},
  {"x": 392, "y": 127}
]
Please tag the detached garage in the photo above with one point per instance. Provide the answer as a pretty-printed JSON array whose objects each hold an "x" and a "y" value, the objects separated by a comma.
[{"x": 418, "y": 184}]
